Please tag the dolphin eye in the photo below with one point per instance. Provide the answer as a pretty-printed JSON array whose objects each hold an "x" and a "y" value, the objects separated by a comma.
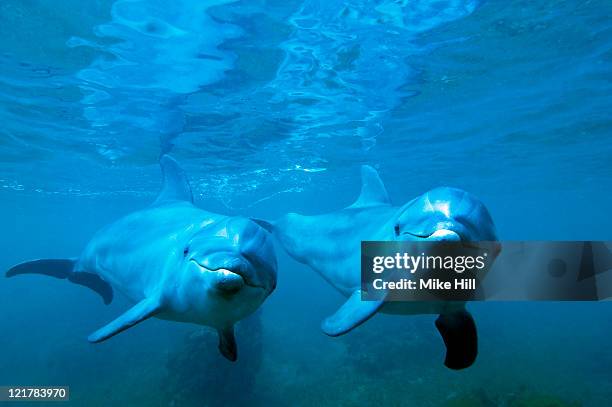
[
  {"x": 397, "y": 230},
  {"x": 185, "y": 251}
]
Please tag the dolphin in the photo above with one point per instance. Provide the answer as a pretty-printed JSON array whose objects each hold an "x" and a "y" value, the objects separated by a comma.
[
  {"x": 174, "y": 261},
  {"x": 330, "y": 245}
]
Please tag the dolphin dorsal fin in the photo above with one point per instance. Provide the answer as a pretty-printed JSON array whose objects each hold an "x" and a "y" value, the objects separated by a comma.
[
  {"x": 175, "y": 185},
  {"x": 373, "y": 191},
  {"x": 269, "y": 226}
]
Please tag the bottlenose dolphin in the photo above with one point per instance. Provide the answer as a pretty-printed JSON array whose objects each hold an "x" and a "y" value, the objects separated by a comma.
[
  {"x": 176, "y": 262},
  {"x": 330, "y": 244}
]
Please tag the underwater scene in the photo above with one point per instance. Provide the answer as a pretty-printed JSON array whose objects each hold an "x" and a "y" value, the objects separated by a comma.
[{"x": 155, "y": 155}]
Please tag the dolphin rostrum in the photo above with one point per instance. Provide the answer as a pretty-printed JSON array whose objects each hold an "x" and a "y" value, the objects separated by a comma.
[
  {"x": 174, "y": 261},
  {"x": 330, "y": 244}
]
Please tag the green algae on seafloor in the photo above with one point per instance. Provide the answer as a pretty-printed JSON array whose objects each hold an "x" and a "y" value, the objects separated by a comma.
[
  {"x": 542, "y": 400},
  {"x": 465, "y": 401},
  {"x": 533, "y": 400}
]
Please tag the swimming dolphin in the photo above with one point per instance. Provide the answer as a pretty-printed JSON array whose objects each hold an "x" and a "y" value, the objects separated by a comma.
[
  {"x": 330, "y": 244},
  {"x": 175, "y": 262}
]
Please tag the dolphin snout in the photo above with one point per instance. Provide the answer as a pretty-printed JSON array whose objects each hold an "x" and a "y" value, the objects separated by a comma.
[
  {"x": 445, "y": 235},
  {"x": 228, "y": 281},
  {"x": 455, "y": 233},
  {"x": 231, "y": 271}
]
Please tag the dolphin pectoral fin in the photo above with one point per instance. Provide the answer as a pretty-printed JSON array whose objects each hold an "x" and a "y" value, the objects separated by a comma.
[
  {"x": 227, "y": 344},
  {"x": 458, "y": 331},
  {"x": 373, "y": 191},
  {"x": 64, "y": 269},
  {"x": 175, "y": 184},
  {"x": 138, "y": 313},
  {"x": 353, "y": 313}
]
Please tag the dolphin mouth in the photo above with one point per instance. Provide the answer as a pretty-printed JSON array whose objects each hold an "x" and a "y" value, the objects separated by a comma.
[
  {"x": 443, "y": 235},
  {"x": 440, "y": 234},
  {"x": 420, "y": 236},
  {"x": 231, "y": 275}
]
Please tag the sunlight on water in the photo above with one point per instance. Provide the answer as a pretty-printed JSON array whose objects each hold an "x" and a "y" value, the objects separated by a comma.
[
  {"x": 252, "y": 97},
  {"x": 297, "y": 87},
  {"x": 232, "y": 85}
]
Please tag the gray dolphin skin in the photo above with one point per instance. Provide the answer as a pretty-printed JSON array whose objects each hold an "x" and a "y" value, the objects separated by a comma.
[
  {"x": 176, "y": 262},
  {"x": 330, "y": 245}
]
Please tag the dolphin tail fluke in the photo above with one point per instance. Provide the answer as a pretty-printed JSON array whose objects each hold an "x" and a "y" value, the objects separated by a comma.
[
  {"x": 64, "y": 269},
  {"x": 227, "y": 344},
  {"x": 58, "y": 268},
  {"x": 143, "y": 310},
  {"x": 353, "y": 313},
  {"x": 458, "y": 331}
]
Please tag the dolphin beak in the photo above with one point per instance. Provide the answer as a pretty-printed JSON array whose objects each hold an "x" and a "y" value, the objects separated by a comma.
[
  {"x": 445, "y": 235},
  {"x": 225, "y": 280},
  {"x": 440, "y": 235},
  {"x": 232, "y": 275},
  {"x": 228, "y": 281}
]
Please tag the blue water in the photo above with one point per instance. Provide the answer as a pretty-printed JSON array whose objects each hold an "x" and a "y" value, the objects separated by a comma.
[{"x": 271, "y": 107}]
